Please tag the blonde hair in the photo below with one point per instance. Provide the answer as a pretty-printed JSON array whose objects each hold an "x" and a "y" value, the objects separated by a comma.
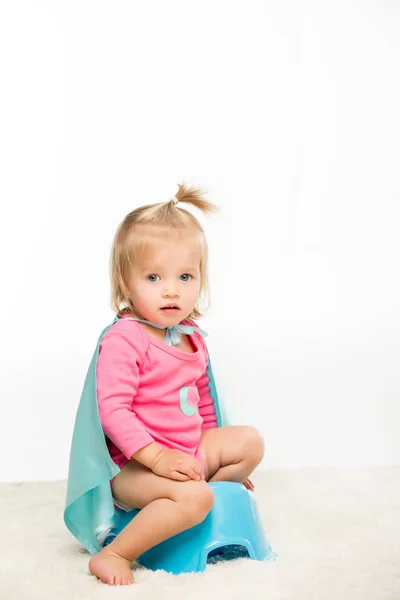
[{"x": 141, "y": 227}]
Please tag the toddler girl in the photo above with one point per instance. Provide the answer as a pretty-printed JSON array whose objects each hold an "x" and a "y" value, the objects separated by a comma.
[{"x": 154, "y": 402}]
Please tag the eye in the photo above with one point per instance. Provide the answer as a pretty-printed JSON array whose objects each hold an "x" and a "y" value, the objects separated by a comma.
[
  {"x": 186, "y": 275},
  {"x": 150, "y": 276}
]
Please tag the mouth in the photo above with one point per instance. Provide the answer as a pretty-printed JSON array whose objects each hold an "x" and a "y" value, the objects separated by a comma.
[{"x": 170, "y": 308}]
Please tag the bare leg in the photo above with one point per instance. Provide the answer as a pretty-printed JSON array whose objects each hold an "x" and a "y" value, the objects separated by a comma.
[
  {"x": 231, "y": 453},
  {"x": 168, "y": 507}
]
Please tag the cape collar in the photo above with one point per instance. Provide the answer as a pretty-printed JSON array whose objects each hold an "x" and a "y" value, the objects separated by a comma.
[{"x": 172, "y": 334}]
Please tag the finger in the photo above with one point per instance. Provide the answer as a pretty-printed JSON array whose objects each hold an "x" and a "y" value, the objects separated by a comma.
[
  {"x": 187, "y": 469},
  {"x": 191, "y": 461},
  {"x": 197, "y": 474},
  {"x": 178, "y": 476},
  {"x": 198, "y": 470},
  {"x": 196, "y": 466},
  {"x": 248, "y": 484}
]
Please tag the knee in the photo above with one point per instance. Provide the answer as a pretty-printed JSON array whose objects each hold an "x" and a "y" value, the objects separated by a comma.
[
  {"x": 254, "y": 442},
  {"x": 196, "y": 499}
]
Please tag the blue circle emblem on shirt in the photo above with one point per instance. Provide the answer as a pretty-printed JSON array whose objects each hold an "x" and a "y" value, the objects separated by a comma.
[{"x": 186, "y": 408}]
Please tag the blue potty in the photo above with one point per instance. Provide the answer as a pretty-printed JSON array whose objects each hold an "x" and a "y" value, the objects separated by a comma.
[{"x": 234, "y": 520}]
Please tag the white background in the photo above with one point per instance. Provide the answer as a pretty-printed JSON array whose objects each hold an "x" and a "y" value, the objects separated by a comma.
[{"x": 288, "y": 114}]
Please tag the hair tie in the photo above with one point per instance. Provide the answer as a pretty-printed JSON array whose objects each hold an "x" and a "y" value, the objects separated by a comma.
[{"x": 175, "y": 200}]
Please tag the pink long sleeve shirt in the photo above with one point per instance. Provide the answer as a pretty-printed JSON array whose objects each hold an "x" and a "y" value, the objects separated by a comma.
[{"x": 148, "y": 391}]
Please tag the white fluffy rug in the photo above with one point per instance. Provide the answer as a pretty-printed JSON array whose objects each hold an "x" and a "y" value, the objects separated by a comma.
[{"x": 337, "y": 533}]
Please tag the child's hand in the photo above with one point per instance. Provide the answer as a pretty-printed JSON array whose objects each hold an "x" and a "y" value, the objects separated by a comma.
[{"x": 178, "y": 465}]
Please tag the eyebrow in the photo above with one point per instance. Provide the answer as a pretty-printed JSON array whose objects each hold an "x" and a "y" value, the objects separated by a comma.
[{"x": 160, "y": 269}]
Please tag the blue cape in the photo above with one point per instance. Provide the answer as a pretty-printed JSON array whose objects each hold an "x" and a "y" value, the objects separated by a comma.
[{"x": 89, "y": 510}]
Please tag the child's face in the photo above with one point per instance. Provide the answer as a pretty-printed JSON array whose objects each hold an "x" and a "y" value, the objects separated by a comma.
[{"x": 170, "y": 274}]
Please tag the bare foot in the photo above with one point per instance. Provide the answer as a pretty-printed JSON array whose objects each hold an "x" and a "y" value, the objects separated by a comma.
[{"x": 111, "y": 568}]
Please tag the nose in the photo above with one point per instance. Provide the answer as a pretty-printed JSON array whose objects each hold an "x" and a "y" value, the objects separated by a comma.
[{"x": 170, "y": 290}]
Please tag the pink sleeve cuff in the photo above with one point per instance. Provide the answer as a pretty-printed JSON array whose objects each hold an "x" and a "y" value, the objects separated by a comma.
[{"x": 140, "y": 442}]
